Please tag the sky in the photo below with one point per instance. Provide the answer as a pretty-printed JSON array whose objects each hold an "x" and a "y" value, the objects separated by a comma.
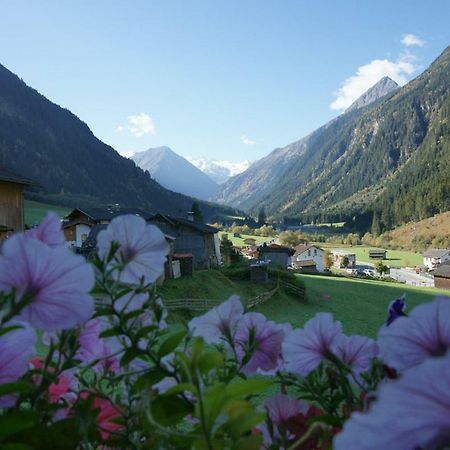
[{"x": 213, "y": 78}]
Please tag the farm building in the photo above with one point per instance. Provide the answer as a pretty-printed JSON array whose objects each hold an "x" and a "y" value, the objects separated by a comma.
[
  {"x": 11, "y": 203},
  {"x": 341, "y": 256},
  {"x": 308, "y": 266},
  {"x": 442, "y": 276},
  {"x": 309, "y": 253},
  {"x": 377, "y": 254},
  {"x": 277, "y": 255},
  {"x": 199, "y": 239},
  {"x": 78, "y": 224},
  {"x": 434, "y": 257}
]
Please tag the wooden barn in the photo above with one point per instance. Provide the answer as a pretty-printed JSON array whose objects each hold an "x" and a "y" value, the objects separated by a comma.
[
  {"x": 442, "y": 276},
  {"x": 199, "y": 239},
  {"x": 11, "y": 203}
]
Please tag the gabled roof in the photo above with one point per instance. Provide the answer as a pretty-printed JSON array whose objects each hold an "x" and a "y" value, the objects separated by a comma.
[
  {"x": 275, "y": 248},
  {"x": 442, "y": 271},
  {"x": 99, "y": 214},
  {"x": 6, "y": 175},
  {"x": 301, "y": 248},
  {"x": 177, "y": 221},
  {"x": 436, "y": 253}
]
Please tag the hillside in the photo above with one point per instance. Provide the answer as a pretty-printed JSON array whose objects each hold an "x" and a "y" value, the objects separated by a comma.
[
  {"x": 392, "y": 156},
  {"x": 175, "y": 172},
  {"x": 69, "y": 165},
  {"x": 431, "y": 232}
]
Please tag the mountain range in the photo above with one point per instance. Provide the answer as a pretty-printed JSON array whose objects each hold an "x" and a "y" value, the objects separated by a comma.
[
  {"x": 387, "y": 155},
  {"x": 175, "y": 172},
  {"x": 219, "y": 170},
  {"x": 68, "y": 165}
]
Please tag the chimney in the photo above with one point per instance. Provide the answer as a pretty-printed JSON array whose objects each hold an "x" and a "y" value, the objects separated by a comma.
[{"x": 190, "y": 216}]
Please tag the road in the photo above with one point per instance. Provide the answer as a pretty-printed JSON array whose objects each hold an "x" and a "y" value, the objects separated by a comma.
[{"x": 409, "y": 276}]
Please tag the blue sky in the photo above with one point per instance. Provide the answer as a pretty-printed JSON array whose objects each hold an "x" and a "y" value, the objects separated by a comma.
[{"x": 222, "y": 79}]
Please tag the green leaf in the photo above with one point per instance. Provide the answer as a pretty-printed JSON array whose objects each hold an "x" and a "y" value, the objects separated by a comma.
[
  {"x": 247, "y": 387},
  {"x": 111, "y": 332},
  {"x": 129, "y": 355},
  {"x": 148, "y": 379},
  {"x": 182, "y": 387},
  {"x": 17, "y": 387},
  {"x": 15, "y": 422},
  {"x": 171, "y": 343},
  {"x": 170, "y": 409},
  {"x": 209, "y": 361},
  {"x": 8, "y": 329}
]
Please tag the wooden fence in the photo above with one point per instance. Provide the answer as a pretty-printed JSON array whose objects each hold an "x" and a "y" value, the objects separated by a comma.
[
  {"x": 203, "y": 304},
  {"x": 293, "y": 288}
]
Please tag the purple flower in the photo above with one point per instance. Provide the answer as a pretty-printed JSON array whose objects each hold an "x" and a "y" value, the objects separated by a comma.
[
  {"x": 396, "y": 309},
  {"x": 142, "y": 249},
  {"x": 356, "y": 351},
  {"x": 52, "y": 283},
  {"x": 408, "y": 341},
  {"x": 16, "y": 348},
  {"x": 305, "y": 349},
  {"x": 218, "y": 323},
  {"x": 259, "y": 340},
  {"x": 49, "y": 231},
  {"x": 410, "y": 413},
  {"x": 281, "y": 408}
]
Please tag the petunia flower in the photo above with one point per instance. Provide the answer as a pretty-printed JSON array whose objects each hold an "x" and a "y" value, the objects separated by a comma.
[
  {"x": 49, "y": 231},
  {"x": 396, "y": 309},
  {"x": 356, "y": 351},
  {"x": 16, "y": 348},
  {"x": 412, "y": 412},
  {"x": 259, "y": 340},
  {"x": 218, "y": 323},
  {"x": 52, "y": 283},
  {"x": 142, "y": 249},
  {"x": 408, "y": 341},
  {"x": 304, "y": 349}
]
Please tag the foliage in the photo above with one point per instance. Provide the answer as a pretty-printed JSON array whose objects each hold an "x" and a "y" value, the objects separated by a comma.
[{"x": 198, "y": 216}]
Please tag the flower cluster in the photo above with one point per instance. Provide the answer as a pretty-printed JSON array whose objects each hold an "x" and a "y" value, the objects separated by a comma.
[{"x": 90, "y": 359}]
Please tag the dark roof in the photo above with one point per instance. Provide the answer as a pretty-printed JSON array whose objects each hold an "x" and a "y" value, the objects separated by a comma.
[
  {"x": 275, "y": 248},
  {"x": 443, "y": 271},
  {"x": 5, "y": 228},
  {"x": 176, "y": 221},
  {"x": 436, "y": 253},
  {"x": 99, "y": 214},
  {"x": 6, "y": 175}
]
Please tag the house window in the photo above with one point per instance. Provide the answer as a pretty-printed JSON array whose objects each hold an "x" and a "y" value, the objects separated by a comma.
[
  {"x": 83, "y": 237},
  {"x": 315, "y": 252},
  {"x": 309, "y": 252}
]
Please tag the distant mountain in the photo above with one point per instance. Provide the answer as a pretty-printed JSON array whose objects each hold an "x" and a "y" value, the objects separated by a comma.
[
  {"x": 175, "y": 172},
  {"x": 219, "y": 170},
  {"x": 385, "y": 86},
  {"x": 71, "y": 167},
  {"x": 391, "y": 157}
]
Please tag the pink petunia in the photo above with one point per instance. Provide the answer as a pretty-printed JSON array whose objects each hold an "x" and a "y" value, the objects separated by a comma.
[
  {"x": 49, "y": 231},
  {"x": 412, "y": 412},
  {"x": 281, "y": 408},
  {"x": 142, "y": 249},
  {"x": 260, "y": 338},
  {"x": 408, "y": 341},
  {"x": 16, "y": 348},
  {"x": 304, "y": 349},
  {"x": 356, "y": 351},
  {"x": 218, "y": 323},
  {"x": 53, "y": 283}
]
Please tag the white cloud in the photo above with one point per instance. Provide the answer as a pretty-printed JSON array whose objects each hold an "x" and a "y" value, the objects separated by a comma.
[
  {"x": 141, "y": 124},
  {"x": 411, "y": 40},
  {"x": 247, "y": 141},
  {"x": 369, "y": 74},
  {"x": 120, "y": 129}
]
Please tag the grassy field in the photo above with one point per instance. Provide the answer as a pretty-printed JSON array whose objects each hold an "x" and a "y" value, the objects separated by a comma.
[
  {"x": 360, "y": 305},
  {"x": 35, "y": 211},
  {"x": 395, "y": 258},
  {"x": 239, "y": 242}
]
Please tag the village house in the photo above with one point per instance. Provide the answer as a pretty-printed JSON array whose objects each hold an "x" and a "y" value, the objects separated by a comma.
[
  {"x": 11, "y": 203},
  {"x": 341, "y": 257},
  {"x": 276, "y": 254},
  {"x": 79, "y": 223},
  {"x": 434, "y": 257},
  {"x": 442, "y": 276},
  {"x": 198, "y": 239},
  {"x": 309, "y": 258}
]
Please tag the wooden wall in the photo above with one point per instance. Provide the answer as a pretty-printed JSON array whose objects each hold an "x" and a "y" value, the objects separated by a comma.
[
  {"x": 441, "y": 282},
  {"x": 11, "y": 205}
]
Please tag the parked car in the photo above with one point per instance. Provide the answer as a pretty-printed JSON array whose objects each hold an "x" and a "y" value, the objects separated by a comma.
[{"x": 369, "y": 272}]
